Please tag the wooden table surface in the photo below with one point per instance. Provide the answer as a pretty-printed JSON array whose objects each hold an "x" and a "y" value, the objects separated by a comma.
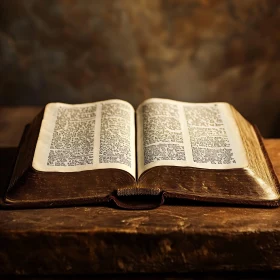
[{"x": 83, "y": 240}]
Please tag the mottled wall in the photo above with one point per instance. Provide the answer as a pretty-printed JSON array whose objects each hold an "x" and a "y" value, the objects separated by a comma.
[{"x": 191, "y": 50}]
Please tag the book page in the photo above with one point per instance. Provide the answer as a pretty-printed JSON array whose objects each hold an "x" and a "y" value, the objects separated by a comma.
[
  {"x": 201, "y": 135},
  {"x": 86, "y": 136}
]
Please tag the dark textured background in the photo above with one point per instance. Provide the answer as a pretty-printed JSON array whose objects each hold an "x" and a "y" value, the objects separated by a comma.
[{"x": 197, "y": 51}]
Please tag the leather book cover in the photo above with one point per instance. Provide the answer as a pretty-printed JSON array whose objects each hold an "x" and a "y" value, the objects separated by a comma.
[{"x": 29, "y": 188}]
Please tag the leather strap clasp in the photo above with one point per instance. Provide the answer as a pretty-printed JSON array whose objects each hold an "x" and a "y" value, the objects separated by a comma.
[{"x": 137, "y": 198}]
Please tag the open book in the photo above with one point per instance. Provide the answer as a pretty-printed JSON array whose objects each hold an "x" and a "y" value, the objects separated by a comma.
[{"x": 97, "y": 153}]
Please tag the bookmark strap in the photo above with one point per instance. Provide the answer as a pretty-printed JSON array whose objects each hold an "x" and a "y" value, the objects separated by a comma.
[
  {"x": 137, "y": 198},
  {"x": 138, "y": 191}
]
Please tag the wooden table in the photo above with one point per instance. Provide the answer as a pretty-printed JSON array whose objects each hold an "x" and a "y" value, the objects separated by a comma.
[{"x": 86, "y": 240}]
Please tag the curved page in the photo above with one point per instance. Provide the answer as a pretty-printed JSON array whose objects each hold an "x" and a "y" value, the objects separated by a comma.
[
  {"x": 201, "y": 135},
  {"x": 88, "y": 136}
]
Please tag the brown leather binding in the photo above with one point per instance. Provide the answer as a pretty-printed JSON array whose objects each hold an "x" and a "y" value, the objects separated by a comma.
[
  {"x": 236, "y": 185},
  {"x": 29, "y": 188}
]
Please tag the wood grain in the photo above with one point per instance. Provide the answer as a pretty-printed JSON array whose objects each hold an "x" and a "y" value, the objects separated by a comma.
[
  {"x": 82, "y": 240},
  {"x": 170, "y": 238}
]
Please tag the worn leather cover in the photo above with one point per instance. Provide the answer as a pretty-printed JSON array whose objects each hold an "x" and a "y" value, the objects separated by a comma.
[
  {"x": 29, "y": 188},
  {"x": 237, "y": 186}
]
